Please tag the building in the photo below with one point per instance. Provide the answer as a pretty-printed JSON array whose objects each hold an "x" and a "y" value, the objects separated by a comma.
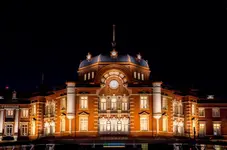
[{"x": 113, "y": 96}]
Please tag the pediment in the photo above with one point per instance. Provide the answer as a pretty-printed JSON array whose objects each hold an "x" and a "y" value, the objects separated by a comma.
[
  {"x": 144, "y": 113},
  {"x": 83, "y": 113}
]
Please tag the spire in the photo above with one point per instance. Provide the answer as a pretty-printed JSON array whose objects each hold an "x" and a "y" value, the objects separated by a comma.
[
  {"x": 113, "y": 42},
  {"x": 113, "y": 53},
  {"x": 42, "y": 78}
]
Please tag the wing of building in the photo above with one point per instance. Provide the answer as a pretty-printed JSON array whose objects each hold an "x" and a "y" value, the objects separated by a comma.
[{"x": 113, "y": 96}]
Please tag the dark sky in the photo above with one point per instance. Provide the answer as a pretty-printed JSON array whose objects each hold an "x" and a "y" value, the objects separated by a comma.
[{"x": 184, "y": 42}]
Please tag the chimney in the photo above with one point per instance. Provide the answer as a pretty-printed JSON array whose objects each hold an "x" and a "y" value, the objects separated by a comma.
[{"x": 14, "y": 95}]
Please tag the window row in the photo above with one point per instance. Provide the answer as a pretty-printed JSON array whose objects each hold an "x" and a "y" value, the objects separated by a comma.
[
  {"x": 9, "y": 129},
  {"x": 216, "y": 129},
  {"x": 114, "y": 125},
  {"x": 215, "y": 112},
  {"x": 113, "y": 103},
  {"x": 89, "y": 75},
  {"x": 138, "y": 75},
  {"x": 11, "y": 112}
]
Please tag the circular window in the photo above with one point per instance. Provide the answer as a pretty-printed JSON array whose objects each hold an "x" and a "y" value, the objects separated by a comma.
[{"x": 114, "y": 84}]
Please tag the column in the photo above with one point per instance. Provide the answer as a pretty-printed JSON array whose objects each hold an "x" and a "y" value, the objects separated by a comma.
[
  {"x": 157, "y": 102},
  {"x": 1, "y": 122},
  {"x": 70, "y": 103},
  {"x": 16, "y": 123}
]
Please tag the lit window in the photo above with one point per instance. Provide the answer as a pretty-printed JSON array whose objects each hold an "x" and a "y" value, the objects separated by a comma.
[
  {"x": 102, "y": 124},
  {"x": 88, "y": 76},
  {"x": 217, "y": 129},
  {"x": 143, "y": 102},
  {"x": 134, "y": 74},
  {"x": 9, "y": 113},
  {"x": 180, "y": 108},
  {"x": 138, "y": 75},
  {"x": 24, "y": 113},
  {"x": 164, "y": 124},
  {"x": 114, "y": 103},
  {"x": 193, "y": 109},
  {"x": 83, "y": 123},
  {"x": 164, "y": 103},
  {"x": 201, "y": 112},
  {"x": 142, "y": 76},
  {"x": 33, "y": 109},
  {"x": 143, "y": 123},
  {"x": 9, "y": 129},
  {"x": 85, "y": 77},
  {"x": 103, "y": 104},
  {"x": 124, "y": 104},
  {"x": 24, "y": 129},
  {"x": 63, "y": 103},
  {"x": 83, "y": 102},
  {"x": 33, "y": 127},
  {"x": 52, "y": 108},
  {"x": 62, "y": 125},
  {"x": 92, "y": 75},
  {"x": 202, "y": 129},
  {"x": 175, "y": 108},
  {"x": 215, "y": 112}
]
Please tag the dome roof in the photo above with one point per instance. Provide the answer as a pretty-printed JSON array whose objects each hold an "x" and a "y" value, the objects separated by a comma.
[{"x": 120, "y": 58}]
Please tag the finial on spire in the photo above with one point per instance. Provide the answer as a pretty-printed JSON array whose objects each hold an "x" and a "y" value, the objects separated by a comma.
[
  {"x": 113, "y": 42},
  {"x": 89, "y": 56}
]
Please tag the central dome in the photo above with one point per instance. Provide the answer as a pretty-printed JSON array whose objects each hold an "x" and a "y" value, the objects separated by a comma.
[{"x": 119, "y": 59}]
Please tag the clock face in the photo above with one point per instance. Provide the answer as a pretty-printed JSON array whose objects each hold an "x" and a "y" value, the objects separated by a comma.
[{"x": 114, "y": 84}]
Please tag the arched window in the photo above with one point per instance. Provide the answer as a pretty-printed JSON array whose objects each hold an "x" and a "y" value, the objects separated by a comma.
[
  {"x": 119, "y": 125},
  {"x": 108, "y": 125}
]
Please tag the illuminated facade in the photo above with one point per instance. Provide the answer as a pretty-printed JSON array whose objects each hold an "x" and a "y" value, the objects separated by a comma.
[{"x": 113, "y": 96}]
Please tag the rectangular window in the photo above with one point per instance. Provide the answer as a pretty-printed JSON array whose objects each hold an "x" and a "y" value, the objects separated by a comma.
[
  {"x": 165, "y": 124},
  {"x": 63, "y": 125},
  {"x": 24, "y": 113},
  {"x": 175, "y": 108},
  {"x": 85, "y": 77},
  {"x": 33, "y": 127},
  {"x": 201, "y": 112},
  {"x": 9, "y": 129},
  {"x": 92, "y": 75},
  {"x": 103, "y": 104},
  {"x": 63, "y": 103},
  {"x": 113, "y": 103},
  {"x": 164, "y": 103},
  {"x": 217, "y": 129},
  {"x": 143, "y": 102},
  {"x": 84, "y": 124},
  {"x": 9, "y": 113},
  {"x": 24, "y": 129},
  {"x": 33, "y": 109},
  {"x": 83, "y": 102},
  {"x": 134, "y": 74},
  {"x": 202, "y": 129},
  {"x": 142, "y": 76},
  {"x": 124, "y": 106},
  {"x": 144, "y": 123},
  {"x": 215, "y": 112},
  {"x": 193, "y": 109},
  {"x": 138, "y": 75}
]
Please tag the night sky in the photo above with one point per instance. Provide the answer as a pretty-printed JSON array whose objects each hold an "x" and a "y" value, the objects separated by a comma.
[{"x": 184, "y": 42}]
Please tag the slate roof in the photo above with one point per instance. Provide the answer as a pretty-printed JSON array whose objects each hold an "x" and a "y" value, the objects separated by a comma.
[{"x": 120, "y": 58}]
